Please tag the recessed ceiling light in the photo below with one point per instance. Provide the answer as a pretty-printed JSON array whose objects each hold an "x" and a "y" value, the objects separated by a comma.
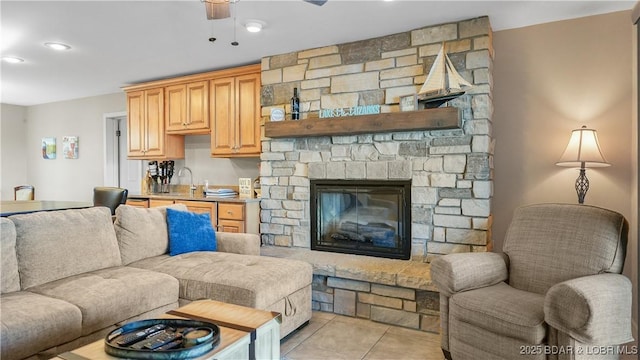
[
  {"x": 12, "y": 59},
  {"x": 57, "y": 46},
  {"x": 253, "y": 26}
]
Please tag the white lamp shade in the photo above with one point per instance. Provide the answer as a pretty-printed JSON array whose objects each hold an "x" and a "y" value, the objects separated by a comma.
[{"x": 583, "y": 150}]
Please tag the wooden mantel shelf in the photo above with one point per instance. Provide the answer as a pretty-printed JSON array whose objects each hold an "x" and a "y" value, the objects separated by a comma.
[{"x": 429, "y": 119}]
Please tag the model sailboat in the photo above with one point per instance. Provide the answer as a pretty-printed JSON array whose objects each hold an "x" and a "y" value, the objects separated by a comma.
[{"x": 443, "y": 83}]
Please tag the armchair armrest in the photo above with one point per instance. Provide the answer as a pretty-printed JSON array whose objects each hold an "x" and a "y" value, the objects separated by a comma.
[
  {"x": 466, "y": 271},
  {"x": 592, "y": 309},
  {"x": 238, "y": 243}
]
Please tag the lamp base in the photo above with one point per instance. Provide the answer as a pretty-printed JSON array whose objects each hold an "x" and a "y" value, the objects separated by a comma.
[{"x": 582, "y": 185}]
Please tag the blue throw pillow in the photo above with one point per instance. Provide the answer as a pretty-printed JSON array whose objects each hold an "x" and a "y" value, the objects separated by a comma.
[{"x": 189, "y": 232}]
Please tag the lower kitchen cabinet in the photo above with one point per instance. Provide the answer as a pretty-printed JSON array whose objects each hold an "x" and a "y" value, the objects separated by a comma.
[
  {"x": 239, "y": 217},
  {"x": 231, "y": 217},
  {"x": 159, "y": 202},
  {"x": 234, "y": 217},
  {"x": 141, "y": 203},
  {"x": 202, "y": 207}
]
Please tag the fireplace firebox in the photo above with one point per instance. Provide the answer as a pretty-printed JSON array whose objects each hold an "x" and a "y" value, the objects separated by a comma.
[{"x": 364, "y": 217}]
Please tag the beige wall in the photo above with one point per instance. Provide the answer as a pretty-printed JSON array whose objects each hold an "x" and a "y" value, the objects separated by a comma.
[
  {"x": 68, "y": 179},
  {"x": 23, "y": 128},
  {"x": 548, "y": 80},
  {"x": 13, "y": 134}
]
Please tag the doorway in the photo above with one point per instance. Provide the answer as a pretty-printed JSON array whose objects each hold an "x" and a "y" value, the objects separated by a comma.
[{"x": 118, "y": 170}]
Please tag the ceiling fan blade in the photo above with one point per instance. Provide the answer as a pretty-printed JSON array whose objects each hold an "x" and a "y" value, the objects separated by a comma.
[
  {"x": 316, "y": 2},
  {"x": 217, "y": 9}
]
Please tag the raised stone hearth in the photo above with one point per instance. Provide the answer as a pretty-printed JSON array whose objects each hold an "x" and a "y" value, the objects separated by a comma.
[{"x": 384, "y": 290}]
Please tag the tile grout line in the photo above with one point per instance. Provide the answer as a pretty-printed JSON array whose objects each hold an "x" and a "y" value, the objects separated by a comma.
[
  {"x": 283, "y": 356},
  {"x": 376, "y": 343}
]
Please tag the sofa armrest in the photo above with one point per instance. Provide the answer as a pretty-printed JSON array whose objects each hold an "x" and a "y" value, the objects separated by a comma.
[
  {"x": 466, "y": 271},
  {"x": 592, "y": 309},
  {"x": 238, "y": 243}
]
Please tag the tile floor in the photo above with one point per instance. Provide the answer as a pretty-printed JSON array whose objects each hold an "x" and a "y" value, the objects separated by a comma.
[{"x": 331, "y": 336}]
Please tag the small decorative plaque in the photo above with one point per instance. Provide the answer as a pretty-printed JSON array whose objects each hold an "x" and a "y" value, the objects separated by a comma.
[
  {"x": 409, "y": 103},
  {"x": 245, "y": 188},
  {"x": 352, "y": 111},
  {"x": 277, "y": 114}
]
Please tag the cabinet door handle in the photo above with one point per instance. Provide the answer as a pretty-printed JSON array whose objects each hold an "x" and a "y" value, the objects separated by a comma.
[{"x": 229, "y": 212}]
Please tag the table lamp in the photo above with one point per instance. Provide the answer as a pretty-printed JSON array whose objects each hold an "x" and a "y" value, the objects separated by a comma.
[{"x": 583, "y": 151}]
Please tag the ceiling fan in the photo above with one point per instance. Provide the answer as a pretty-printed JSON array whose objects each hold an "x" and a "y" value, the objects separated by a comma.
[
  {"x": 219, "y": 9},
  {"x": 316, "y": 2}
]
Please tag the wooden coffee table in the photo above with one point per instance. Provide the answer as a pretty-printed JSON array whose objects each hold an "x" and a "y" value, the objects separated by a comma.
[{"x": 245, "y": 333}]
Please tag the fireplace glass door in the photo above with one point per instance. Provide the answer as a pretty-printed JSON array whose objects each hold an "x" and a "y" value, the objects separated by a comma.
[{"x": 361, "y": 217}]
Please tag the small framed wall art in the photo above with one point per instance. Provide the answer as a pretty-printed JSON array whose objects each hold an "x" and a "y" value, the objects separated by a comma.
[
  {"x": 70, "y": 147},
  {"x": 49, "y": 148}
]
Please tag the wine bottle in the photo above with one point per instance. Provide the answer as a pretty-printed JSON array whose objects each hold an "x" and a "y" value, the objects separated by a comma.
[{"x": 295, "y": 105}]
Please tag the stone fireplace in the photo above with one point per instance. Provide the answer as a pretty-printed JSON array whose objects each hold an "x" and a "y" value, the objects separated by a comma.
[{"x": 450, "y": 171}]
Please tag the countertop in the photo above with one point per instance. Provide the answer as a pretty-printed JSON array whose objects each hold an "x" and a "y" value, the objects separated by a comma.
[
  {"x": 28, "y": 206},
  {"x": 196, "y": 197}
]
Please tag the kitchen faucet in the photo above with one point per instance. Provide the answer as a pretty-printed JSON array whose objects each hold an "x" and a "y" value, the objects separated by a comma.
[{"x": 192, "y": 186}]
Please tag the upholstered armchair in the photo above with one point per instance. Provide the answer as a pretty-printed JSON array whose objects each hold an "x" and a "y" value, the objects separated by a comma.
[{"x": 556, "y": 292}]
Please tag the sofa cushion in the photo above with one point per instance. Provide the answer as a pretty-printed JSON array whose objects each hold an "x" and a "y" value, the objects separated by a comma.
[
  {"x": 109, "y": 296},
  {"x": 502, "y": 309},
  {"x": 190, "y": 232},
  {"x": 142, "y": 232},
  {"x": 253, "y": 281},
  {"x": 46, "y": 241},
  {"x": 32, "y": 323},
  {"x": 9, "y": 278}
]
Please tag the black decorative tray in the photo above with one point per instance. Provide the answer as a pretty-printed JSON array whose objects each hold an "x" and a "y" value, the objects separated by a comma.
[{"x": 163, "y": 339}]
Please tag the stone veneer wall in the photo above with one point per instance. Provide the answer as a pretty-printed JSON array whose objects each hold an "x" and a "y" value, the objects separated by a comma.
[{"x": 450, "y": 170}]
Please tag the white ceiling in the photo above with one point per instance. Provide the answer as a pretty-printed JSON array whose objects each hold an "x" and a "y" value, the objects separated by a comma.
[{"x": 116, "y": 43}]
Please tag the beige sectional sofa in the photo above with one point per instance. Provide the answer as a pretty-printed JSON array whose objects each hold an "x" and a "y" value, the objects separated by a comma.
[{"x": 69, "y": 277}]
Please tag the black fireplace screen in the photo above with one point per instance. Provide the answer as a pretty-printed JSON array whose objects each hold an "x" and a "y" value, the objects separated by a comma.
[{"x": 362, "y": 217}]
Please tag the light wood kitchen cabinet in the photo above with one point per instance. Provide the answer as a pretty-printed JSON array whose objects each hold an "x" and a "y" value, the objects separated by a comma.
[
  {"x": 140, "y": 203},
  {"x": 187, "y": 108},
  {"x": 160, "y": 202},
  {"x": 146, "y": 128},
  {"x": 239, "y": 217},
  {"x": 202, "y": 207},
  {"x": 235, "y": 116},
  {"x": 231, "y": 217}
]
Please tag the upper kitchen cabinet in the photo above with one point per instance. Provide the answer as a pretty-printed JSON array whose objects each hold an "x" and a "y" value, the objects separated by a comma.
[
  {"x": 187, "y": 108},
  {"x": 235, "y": 114},
  {"x": 225, "y": 103},
  {"x": 147, "y": 138}
]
